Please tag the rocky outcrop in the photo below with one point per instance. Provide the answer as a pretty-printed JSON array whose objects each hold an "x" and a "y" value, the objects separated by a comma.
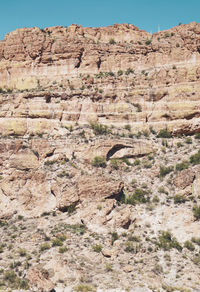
[{"x": 114, "y": 75}]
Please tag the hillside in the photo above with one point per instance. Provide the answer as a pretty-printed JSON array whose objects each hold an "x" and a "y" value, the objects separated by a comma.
[{"x": 100, "y": 159}]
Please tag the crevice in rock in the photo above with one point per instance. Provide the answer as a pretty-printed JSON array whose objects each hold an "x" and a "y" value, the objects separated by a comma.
[
  {"x": 193, "y": 115},
  {"x": 80, "y": 58},
  {"x": 52, "y": 192},
  {"x": 167, "y": 117},
  {"x": 119, "y": 196},
  {"x": 69, "y": 209},
  {"x": 114, "y": 149},
  {"x": 50, "y": 153},
  {"x": 99, "y": 63}
]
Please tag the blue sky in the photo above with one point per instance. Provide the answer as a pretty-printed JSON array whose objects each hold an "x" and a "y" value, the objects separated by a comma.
[{"x": 146, "y": 14}]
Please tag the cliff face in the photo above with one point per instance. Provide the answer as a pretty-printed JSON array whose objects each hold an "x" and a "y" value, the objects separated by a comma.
[
  {"x": 91, "y": 124},
  {"x": 116, "y": 75}
]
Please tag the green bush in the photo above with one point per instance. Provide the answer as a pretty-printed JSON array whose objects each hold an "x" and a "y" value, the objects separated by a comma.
[
  {"x": 62, "y": 237},
  {"x": 189, "y": 245},
  {"x": 83, "y": 288},
  {"x": 196, "y": 240},
  {"x": 127, "y": 127},
  {"x": 115, "y": 163},
  {"x": 148, "y": 42},
  {"x": 99, "y": 161},
  {"x": 196, "y": 260},
  {"x": 179, "y": 199},
  {"x": 132, "y": 247},
  {"x": 167, "y": 241},
  {"x": 196, "y": 212},
  {"x": 112, "y": 41},
  {"x": 129, "y": 71},
  {"x": 164, "y": 133},
  {"x": 22, "y": 252},
  {"x": 99, "y": 129},
  {"x": 188, "y": 140},
  {"x": 139, "y": 196},
  {"x": 182, "y": 165},
  {"x": 97, "y": 248},
  {"x": 109, "y": 267},
  {"x": 62, "y": 249},
  {"x": 44, "y": 246},
  {"x": 195, "y": 159},
  {"x": 120, "y": 72},
  {"x": 139, "y": 108},
  {"x": 165, "y": 170},
  {"x": 197, "y": 136},
  {"x": 57, "y": 242},
  {"x": 114, "y": 237}
]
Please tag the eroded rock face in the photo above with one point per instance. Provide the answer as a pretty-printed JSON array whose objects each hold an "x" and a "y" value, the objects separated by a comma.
[
  {"x": 39, "y": 278},
  {"x": 184, "y": 179},
  {"x": 115, "y": 75}
]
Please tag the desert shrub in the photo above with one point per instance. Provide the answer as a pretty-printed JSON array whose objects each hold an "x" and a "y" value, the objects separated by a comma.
[
  {"x": 57, "y": 242},
  {"x": 14, "y": 282},
  {"x": 115, "y": 163},
  {"x": 22, "y": 252},
  {"x": 188, "y": 140},
  {"x": 83, "y": 288},
  {"x": 147, "y": 164},
  {"x": 111, "y": 74},
  {"x": 182, "y": 165},
  {"x": 62, "y": 237},
  {"x": 132, "y": 247},
  {"x": 44, "y": 246},
  {"x": 97, "y": 248},
  {"x": 120, "y": 72},
  {"x": 196, "y": 212},
  {"x": 162, "y": 190},
  {"x": 99, "y": 129},
  {"x": 189, "y": 245},
  {"x": 152, "y": 130},
  {"x": 165, "y": 170},
  {"x": 196, "y": 240},
  {"x": 179, "y": 199},
  {"x": 195, "y": 159},
  {"x": 158, "y": 269},
  {"x": 99, "y": 161},
  {"x": 197, "y": 136},
  {"x": 114, "y": 237},
  {"x": 155, "y": 199},
  {"x": 167, "y": 241},
  {"x": 49, "y": 162},
  {"x": 62, "y": 249},
  {"x": 127, "y": 127},
  {"x": 109, "y": 267},
  {"x": 112, "y": 41},
  {"x": 139, "y": 196},
  {"x": 179, "y": 144},
  {"x": 134, "y": 238},
  {"x": 164, "y": 133},
  {"x": 136, "y": 162},
  {"x": 139, "y": 108},
  {"x": 196, "y": 260},
  {"x": 148, "y": 42},
  {"x": 129, "y": 71}
]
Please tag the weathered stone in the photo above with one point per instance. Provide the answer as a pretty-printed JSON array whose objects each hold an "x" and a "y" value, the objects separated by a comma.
[{"x": 184, "y": 178}]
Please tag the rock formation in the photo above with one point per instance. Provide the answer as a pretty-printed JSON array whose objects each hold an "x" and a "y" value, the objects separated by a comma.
[{"x": 99, "y": 139}]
